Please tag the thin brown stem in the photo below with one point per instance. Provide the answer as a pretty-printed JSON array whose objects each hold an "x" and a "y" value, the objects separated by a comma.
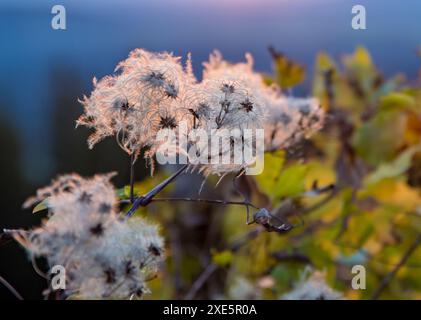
[
  {"x": 132, "y": 157},
  {"x": 5, "y": 238},
  {"x": 386, "y": 280},
  {"x": 144, "y": 200},
  {"x": 214, "y": 201},
  {"x": 201, "y": 280},
  {"x": 236, "y": 245},
  {"x": 10, "y": 288},
  {"x": 212, "y": 267},
  {"x": 321, "y": 203}
]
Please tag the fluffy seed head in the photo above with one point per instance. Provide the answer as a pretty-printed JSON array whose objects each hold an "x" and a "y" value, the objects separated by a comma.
[
  {"x": 152, "y": 92},
  {"x": 103, "y": 255},
  {"x": 131, "y": 104}
]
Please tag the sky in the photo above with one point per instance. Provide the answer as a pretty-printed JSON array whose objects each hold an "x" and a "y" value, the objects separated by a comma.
[{"x": 100, "y": 33}]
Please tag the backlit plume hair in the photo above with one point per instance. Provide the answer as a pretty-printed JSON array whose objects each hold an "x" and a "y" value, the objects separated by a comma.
[
  {"x": 290, "y": 120},
  {"x": 152, "y": 91},
  {"x": 103, "y": 255},
  {"x": 144, "y": 96}
]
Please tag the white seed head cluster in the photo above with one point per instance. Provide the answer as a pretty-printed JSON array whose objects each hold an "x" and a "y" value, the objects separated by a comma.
[
  {"x": 104, "y": 256},
  {"x": 152, "y": 91},
  {"x": 290, "y": 120},
  {"x": 285, "y": 119},
  {"x": 312, "y": 287},
  {"x": 144, "y": 95}
]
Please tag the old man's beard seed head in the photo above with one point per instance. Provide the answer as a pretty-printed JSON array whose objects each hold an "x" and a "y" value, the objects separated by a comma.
[
  {"x": 103, "y": 255},
  {"x": 153, "y": 91}
]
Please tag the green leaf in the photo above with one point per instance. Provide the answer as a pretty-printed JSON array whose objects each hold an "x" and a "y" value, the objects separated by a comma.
[
  {"x": 285, "y": 274},
  {"x": 222, "y": 258},
  {"x": 43, "y": 205},
  {"x": 397, "y": 100},
  {"x": 273, "y": 165},
  {"x": 378, "y": 140},
  {"x": 361, "y": 71},
  {"x": 124, "y": 193},
  {"x": 291, "y": 182},
  {"x": 394, "y": 168},
  {"x": 360, "y": 59}
]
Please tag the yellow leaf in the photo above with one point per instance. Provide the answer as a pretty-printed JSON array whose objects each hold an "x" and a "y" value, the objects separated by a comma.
[
  {"x": 273, "y": 165},
  {"x": 222, "y": 258},
  {"x": 43, "y": 205},
  {"x": 393, "y": 168},
  {"x": 288, "y": 73},
  {"x": 397, "y": 100},
  {"x": 394, "y": 192}
]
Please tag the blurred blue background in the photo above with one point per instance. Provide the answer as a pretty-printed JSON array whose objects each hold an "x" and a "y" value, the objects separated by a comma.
[{"x": 100, "y": 33}]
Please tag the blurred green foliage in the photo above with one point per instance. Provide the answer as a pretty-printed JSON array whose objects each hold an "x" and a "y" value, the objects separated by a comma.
[{"x": 370, "y": 149}]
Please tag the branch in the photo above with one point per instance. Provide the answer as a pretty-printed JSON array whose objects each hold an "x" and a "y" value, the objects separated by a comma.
[
  {"x": 333, "y": 192},
  {"x": 204, "y": 276},
  {"x": 212, "y": 267},
  {"x": 132, "y": 159},
  {"x": 386, "y": 280},
  {"x": 144, "y": 200},
  {"x": 10, "y": 288},
  {"x": 263, "y": 226},
  {"x": 215, "y": 201},
  {"x": 293, "y": 257},
  {"x": 5, "y": 238}
]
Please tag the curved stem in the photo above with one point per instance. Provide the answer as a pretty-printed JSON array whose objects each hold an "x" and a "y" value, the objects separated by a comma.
[
  {"x": 395, "y": 270},
  {"x": 144, "y": 200},
  {"x": 212, "y": 267},
  {"x": 204, "y": 276},
  {"x": 10, "y": 288},
  {"x": 132, "y": 178}
]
